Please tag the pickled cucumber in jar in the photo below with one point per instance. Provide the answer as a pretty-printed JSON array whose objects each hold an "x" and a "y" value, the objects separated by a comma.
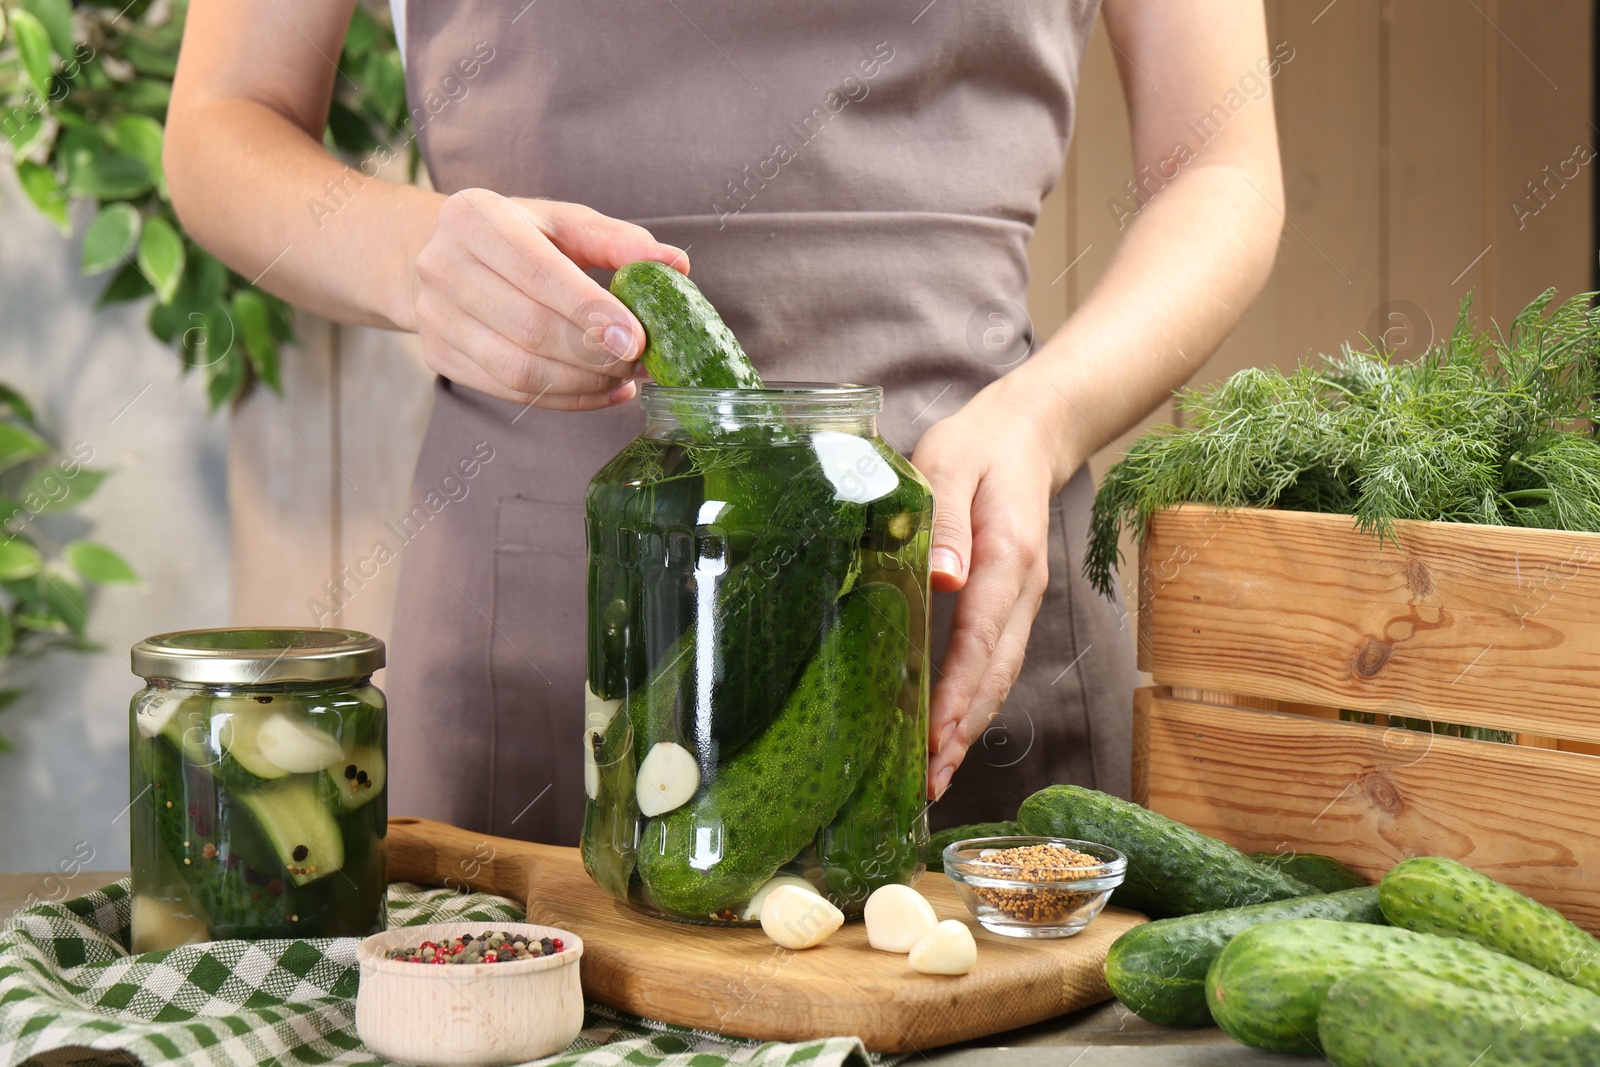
[{"x": 259, "y": 770}]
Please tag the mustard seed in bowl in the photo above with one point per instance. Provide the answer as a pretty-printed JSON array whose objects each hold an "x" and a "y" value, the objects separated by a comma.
[
  {"x": 1039, "y": 863},
  {"x": 1034, "y": 886}
]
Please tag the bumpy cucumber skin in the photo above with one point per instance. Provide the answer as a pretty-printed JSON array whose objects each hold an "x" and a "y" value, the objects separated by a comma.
[
  {"x": 1173, "y": 869},
  {"x": 1159, "y": 969},
  {"x": 945, "y": 838},
  {"x": 770, "y": 800},
  {"x": 879, "y": 835},
  {"x": 611, "y": 817},
  {"x": 686, "y": 341},
  {"x": 1320, "y": 872},
  {"x": 1434, "y": 895},
  {"x": 1268, "y": 985},
  {"x": 1396, "y": 1019},
  {"x": 770, "y": 606}
]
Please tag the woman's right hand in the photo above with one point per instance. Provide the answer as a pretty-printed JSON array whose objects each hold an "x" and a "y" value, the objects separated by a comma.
[{"x": 503, "y": 305}]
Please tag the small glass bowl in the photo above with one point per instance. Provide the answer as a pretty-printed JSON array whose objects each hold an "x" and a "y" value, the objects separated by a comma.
[{"x": 1039, "y": 902}]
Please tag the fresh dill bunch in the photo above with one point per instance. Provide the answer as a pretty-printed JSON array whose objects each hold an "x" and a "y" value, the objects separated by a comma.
[{"x": 1482, "y": 427}]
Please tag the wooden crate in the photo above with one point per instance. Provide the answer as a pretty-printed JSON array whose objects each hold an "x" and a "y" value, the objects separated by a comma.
[{"x": 1259, "y": 626}]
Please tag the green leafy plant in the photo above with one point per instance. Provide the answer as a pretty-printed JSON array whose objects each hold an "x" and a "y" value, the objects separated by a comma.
[
  {"x": 1485, "y": 428},
  {"x": 44, "y": 584},
  {"x": 83, "y": 99}
]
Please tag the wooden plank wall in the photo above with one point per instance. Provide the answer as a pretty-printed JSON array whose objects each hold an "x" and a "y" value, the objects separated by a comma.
[{"x": 1411, "y": 131}]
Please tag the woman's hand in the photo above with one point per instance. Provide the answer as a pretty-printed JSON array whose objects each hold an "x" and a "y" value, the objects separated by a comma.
[
  {"x": 503, "y": 304},
  {"x": 992, "y": 468}
]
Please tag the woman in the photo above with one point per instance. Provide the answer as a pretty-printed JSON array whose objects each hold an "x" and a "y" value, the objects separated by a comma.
[{"x": 855, "y": 185}]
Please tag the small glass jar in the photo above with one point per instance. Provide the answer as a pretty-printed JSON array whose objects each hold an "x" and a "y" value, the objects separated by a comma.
[
  {"x": 258, "y": 766},
  {"x": 758, "y": 644}
]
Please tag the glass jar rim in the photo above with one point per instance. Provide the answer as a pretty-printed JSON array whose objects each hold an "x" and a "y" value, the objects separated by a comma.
[
  {"x": 777, "y": 399},
  {"x": 258, "y": 655}
]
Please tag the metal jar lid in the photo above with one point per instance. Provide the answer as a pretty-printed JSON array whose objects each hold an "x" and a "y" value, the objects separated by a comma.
[{"x": 258, "y": 655}]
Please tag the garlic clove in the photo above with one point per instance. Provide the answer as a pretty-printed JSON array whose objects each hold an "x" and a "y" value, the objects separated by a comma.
[
  {"x": 948, "y": 948},
  {"x": 751, "y": 912},
  {"x": 668, "y": 777},
  {"x": 597, "y": 713},
  {"x": 799, "y": 918},
  {"x": 897, "y": 917}
]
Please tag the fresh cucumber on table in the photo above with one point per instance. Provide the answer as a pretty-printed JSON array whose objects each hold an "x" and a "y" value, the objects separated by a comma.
[
  {"x": 1158, "y": 970},
  {"x": 1173, "y": 869},
  {"x": 1267, "y": 987},
  {"x": 1321, "y": 872},
  {"x": 1398, "y": 1019},
  {"x": 1434, "y": 895},
  {"x": 771, "y": 799}
]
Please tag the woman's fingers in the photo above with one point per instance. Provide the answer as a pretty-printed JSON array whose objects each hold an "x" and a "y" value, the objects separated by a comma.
[
  {"x": 458, "y": 367},
  {"x": 996, "y": 679},
  {"x": 953, "y": 473},
  {"x": 503, "y": 303},
  {"x": 531, "y": 326},
  {"x": 592, "y": 240},
  {"x": 509, "y": 241}
]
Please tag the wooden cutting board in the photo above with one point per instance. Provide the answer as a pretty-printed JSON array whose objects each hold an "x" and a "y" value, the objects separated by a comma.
[{"x": 736, "y": 981}]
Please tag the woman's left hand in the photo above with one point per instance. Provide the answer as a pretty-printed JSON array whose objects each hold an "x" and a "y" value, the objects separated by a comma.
[{"x": 992, "y": 468}]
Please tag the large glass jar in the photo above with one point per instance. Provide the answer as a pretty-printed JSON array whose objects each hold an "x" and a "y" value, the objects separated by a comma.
[
  {"x": 258, "y": 774},
  {"x": 758, "y": 648}
]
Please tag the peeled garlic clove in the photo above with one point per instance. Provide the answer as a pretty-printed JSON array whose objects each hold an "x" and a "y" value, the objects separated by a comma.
[
  {"x": 597, "y": 713},
  {"x": 946, "y": 949},
  {"x": 668, "y": 777},
  {"x": 752, "y": 911},
  {"x": 799, "y": 918},
  {"x": 897, "y": 917}
]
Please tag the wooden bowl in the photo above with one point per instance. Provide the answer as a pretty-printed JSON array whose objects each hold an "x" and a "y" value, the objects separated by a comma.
[{"x": 471, "y": 1014}]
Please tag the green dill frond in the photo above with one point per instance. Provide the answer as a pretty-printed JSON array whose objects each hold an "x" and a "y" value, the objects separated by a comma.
[{"x": 1482, "y": 428}]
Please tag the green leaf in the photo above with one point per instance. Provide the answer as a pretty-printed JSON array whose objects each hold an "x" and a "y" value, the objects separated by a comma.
[
  {"x": 107, "y": 175},
  {"x": 383, "y": 84},
  {"x": 40, "y": 185},
  {"x": 151, "y": 58},
  {"x": 227, "y": 380},
  {"x": 253, "y": 319},
  {"x": 56, "y": 17},
  {"x": 140, "y": 136},
  {"x": 18, "y": 559},
  {"x": 127, "y": 284},
  {"x": 52, "y": 489},
  {"x": 8, "y": 641},
  {"x": 350, "y": 132},
  {"x": 161, "y": 257},
  {"x": 111, "y": 237},
  {"x": 98, "y": 564},
  {"x": 22, "y": 128},
  {"x": 20, "y": 408},
  {"x": 33, "y": 46},
  {"x": 18, "y": 444},
  {"x": 150, "y": 97},
  {"x": 64, "y": 596},
  {"x": 363, "y": 33}
]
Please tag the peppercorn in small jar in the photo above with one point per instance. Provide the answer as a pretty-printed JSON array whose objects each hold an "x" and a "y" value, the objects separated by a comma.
[{"x": 258, "y": 767}]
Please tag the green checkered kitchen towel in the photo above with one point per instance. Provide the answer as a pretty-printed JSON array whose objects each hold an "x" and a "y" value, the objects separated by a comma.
[{"x": 67, "y": 981}]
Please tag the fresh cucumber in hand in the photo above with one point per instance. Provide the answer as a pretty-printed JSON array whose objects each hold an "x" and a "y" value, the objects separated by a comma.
[{"x": 686, "y": 341}]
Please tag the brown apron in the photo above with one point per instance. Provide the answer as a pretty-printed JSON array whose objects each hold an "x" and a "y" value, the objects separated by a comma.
[{"x": 856, "y": 184}]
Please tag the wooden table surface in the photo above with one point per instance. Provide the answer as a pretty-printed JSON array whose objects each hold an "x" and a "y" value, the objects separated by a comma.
[{"x": 1106, "y": 1036}]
